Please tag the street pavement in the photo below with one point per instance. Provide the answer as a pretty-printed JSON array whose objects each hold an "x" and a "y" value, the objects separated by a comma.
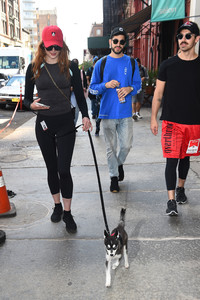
[{"x": 41, "y": 261}]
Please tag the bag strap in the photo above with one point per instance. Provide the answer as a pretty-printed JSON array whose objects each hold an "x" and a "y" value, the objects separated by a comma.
[
  {"x": 57, "y": 86},
  {"x": 133, "y": 65},
  {"x": 103, "y": 62}
]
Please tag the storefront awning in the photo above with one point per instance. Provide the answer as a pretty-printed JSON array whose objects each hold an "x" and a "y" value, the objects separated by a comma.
[
  {"x": 133, "y": 23},
  {"x": 98, "y": 42},
  {"x": 98, "y": 45}
]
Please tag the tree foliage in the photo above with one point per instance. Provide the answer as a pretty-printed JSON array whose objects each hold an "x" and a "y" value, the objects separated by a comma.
[{"x": 86, "y": 64}]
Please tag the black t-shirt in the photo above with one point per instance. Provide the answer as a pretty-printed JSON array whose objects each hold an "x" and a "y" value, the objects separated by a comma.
[
  {"x": 182, "y": 90},
  {"x": 50, "y": 95}
]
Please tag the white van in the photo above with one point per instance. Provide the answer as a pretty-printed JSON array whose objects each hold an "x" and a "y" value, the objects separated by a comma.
[{"x": 14, "y": 60}]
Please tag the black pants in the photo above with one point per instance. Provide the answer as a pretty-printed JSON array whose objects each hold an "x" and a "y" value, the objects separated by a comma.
[
  {"x": 170, "y": 171},
  {"x": 57, "y": 145}
]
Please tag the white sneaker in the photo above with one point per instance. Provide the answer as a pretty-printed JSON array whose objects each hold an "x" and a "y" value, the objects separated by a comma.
[{"x": 138, "y": 115}]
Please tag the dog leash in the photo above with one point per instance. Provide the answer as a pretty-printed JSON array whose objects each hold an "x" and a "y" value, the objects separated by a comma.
[{"x": 99, "y": 183}]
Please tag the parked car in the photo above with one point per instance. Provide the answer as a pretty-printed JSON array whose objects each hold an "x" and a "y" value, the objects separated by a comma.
[
  {"x": 3, "y": 79},
  {"x": 10, "y": 93}
]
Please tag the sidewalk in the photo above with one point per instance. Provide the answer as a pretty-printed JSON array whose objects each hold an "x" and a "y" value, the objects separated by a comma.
[{"x": 41, "y": 261}]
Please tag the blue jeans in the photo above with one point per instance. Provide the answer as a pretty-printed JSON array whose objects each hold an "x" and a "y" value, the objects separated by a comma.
[{"x": 117, "y": 131}]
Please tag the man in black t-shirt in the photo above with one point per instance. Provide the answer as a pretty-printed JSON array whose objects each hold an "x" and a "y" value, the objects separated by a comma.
[{"x": 178, "y": 84}]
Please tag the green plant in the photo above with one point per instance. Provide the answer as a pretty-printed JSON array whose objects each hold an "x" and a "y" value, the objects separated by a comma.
[
  {"x": 152, "y": 78},
  {"x": 86, "y": 64}
]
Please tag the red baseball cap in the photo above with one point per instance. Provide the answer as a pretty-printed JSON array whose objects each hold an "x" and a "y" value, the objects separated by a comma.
[{"x": 52, "y": 35}]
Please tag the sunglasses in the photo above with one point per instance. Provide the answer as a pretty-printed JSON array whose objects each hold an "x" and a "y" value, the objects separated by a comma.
[
  {"x": 116, "y": 41},
  {"x": 187, "y": 36},
  {"x": 50, "y": 48}
]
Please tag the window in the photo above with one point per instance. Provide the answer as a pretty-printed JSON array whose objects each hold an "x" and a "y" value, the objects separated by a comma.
[
  {"x": 11, "y": 30},
  {"x": 4, "y": 23},
  {"x": 9, "y": 62},
  {"x": 98, "y": 32},
  {"x": 3, "y": 6}
]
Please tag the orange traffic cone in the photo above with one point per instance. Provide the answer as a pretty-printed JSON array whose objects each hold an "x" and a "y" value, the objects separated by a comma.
[{"x": 7, "y": 209}]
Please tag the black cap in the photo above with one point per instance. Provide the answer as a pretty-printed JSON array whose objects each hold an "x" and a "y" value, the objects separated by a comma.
[
  {"x": 118, "y": 31},
  {"x": 191, "y": 26}
]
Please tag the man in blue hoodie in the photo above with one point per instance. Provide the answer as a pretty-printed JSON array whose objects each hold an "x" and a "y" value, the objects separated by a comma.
[{"x": 118, "y": 85}]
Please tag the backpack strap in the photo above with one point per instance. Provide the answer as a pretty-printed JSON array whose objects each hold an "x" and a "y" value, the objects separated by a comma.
[
  {"x": 133, "y": 65},
  {"x": 103, "y": 62}
]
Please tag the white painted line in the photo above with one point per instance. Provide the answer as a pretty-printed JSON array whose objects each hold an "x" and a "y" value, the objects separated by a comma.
[{"x": 4, "y": 121}]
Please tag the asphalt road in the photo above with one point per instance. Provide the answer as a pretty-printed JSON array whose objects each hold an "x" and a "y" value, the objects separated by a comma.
[{"x": 19, "y": 119}]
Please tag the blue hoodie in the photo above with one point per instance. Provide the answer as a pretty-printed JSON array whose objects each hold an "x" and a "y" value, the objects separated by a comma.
[{"x": 119, "y": 69}]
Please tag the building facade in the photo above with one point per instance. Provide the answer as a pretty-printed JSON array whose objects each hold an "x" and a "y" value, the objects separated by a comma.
[
  {"x": 154, "y": 42},
  {"x": 96, "y": 30},
  {"x": 28, "y": 16},
  {"x": 44, "y": 18},
  {"x": 10, "y": 24},
  {"x": 151, "y": 42}
]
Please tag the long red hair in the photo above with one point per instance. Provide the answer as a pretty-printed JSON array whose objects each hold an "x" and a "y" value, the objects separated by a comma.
[{"x": 63, "y": 60}]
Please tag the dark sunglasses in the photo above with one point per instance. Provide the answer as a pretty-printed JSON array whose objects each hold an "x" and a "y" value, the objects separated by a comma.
[
  {"x": 187, "y": 36},
  {"x": 116, "y": 41},
  {"x": 50, "y": 48}
]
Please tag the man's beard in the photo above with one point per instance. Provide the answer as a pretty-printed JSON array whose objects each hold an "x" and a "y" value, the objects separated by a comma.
[
  {"x": 117, "y": 52},
  {"x": 187, "y": 49}
]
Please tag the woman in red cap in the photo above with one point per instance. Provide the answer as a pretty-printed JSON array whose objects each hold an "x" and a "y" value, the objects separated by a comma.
[{"x": 53, "y": 74}]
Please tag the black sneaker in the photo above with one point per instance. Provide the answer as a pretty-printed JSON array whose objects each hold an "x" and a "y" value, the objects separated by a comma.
[
  {"x": 97, "y": 132},
  {"x": 57, "y": 213},
  {"x": 71, "y": 226},
  {"x": 11, "y": 194},
  {"x": 121, "y": 173},
  {"x": 180, "y": 195},
  {"x": 114, "y": 187},
  {"x": 135, "y": 117},
  {"x": 171, "y": 208}
]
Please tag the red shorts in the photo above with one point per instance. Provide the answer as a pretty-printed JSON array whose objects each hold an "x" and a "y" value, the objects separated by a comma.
[{"x": 180, "y": 140}]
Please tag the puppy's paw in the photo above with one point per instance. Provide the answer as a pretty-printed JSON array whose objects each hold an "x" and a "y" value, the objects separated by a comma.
[
  {"x": 115, "y": 265},
  {"x": 127, "y": 265},
  {"x": 108, "y": 284}
]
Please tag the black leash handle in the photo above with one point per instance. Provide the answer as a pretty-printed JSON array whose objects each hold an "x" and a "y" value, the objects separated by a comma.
[{"x": 99, "y": 182}]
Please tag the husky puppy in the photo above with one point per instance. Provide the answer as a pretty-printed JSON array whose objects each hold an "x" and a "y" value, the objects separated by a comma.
[{"x": 116, "y": 244}]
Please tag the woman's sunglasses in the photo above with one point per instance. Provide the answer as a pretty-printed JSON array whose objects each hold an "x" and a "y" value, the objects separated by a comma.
[
  {"x": 116, "y": 41},
  {"x": 187, "y": 36},
  {"x": 50, "y": 48}
]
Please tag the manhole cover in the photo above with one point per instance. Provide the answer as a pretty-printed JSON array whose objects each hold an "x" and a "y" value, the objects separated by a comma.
[
  {"x": 27, "y": 213},
  {"x": 27, "y": 144},
  {"x": 13, "y": 158}
]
